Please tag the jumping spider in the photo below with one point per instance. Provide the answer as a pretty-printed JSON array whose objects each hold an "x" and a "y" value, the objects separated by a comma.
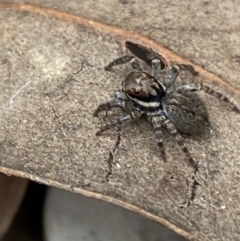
[{"x": 179, "y": 110}]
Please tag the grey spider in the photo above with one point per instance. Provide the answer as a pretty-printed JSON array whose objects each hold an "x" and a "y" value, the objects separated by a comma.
[{"x": 179, "y": 110}]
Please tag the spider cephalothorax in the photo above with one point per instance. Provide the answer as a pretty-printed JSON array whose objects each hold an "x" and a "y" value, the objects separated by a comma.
[
  {"x": 179, "y": 110},
  {"x": 144, "y": 90}
]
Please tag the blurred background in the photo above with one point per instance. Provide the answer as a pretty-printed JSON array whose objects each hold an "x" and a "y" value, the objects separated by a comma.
[{"x": 51, "y": 214}]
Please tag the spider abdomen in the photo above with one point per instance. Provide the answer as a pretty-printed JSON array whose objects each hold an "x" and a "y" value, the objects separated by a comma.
[{"x": 187, "y": 111}]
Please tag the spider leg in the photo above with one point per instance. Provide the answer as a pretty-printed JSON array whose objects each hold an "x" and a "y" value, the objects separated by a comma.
[
  {"x": 172, "y": 129},
  {"x": 189, "y": 87},
  {"x": 222, "y": 97},
  {"x": 171, "y": 76},
  {"x": 157, "y": 122},
  {"x": 118, "y": 61},
  {"x": 156, "y": 68},
  {"x": 197, "y": 87},
  {"x": 136, "y": 65},
  {"x": 114, "y": 103},
  {"x": 119, "y": 121},
  {"x": 186, "y": 67}
]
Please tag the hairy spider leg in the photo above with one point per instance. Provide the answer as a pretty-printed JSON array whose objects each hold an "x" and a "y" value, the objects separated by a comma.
[
  {"x": 119, "y": 61},
  {"x": 186, "y": 67},
  {"x": 114, "y": 103},
  {"x": 136, "y": 65},
  {"x": 157, "y": 125},
  {"x": 172, "y": 129},
  {"x": 228, "y": 99},
  {"x": 197, "y": 87},
  {"x": 119, "y": 121},
  {"x": 156, "y": 69},
  {"x": 189, "y": 87},
  {"x": 123, "y": 60},
  {"x": 171, "y": 76}
]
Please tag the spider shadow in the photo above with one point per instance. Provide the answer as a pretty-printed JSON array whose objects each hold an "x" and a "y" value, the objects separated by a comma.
[{"x": 140, "y": 131}]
